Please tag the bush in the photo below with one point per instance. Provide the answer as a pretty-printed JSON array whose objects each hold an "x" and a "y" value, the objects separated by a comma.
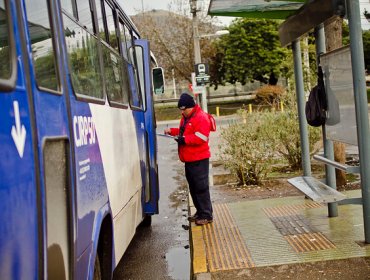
[
  {"x": 249, "y": 148},
  {"x": 284, "y": 133},
  {"x": 245, "y": 151},
  {"x": 269, "y": 94}
]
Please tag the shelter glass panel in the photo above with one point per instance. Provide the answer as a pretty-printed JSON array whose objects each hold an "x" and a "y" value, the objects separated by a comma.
[{"x": 341, "y": 117}]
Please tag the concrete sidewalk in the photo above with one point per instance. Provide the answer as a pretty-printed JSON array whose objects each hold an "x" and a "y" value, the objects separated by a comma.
[
  {"x": 249, "y": 235},
  {"x": 272, "y": 238}
]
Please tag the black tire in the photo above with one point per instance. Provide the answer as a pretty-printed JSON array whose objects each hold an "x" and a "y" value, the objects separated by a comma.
[
  {"x": 97, "y": 270},
  {"x": 147, "y": 222}
]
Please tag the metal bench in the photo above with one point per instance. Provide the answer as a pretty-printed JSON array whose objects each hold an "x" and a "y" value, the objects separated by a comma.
[
  {"x": 346, "y": 168},
  {"x": 316, "y": 190}
]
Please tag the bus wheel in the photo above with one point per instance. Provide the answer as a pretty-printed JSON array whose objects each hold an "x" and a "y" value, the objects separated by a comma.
[
  {"x": 97, "y": 271},
  {"x": 147, "y": 222}
]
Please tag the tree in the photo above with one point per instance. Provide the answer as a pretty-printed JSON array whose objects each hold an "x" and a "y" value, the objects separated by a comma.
[
  {"x": 250, "y": 52},
  {"x": 366, "y": 42},
  {"x": 171, "y": 37}
]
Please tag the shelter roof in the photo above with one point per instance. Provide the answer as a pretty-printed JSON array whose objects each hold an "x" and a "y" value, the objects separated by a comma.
[
  {"x": 254, "y": 8},
  {"x": 300, "y": 16}
]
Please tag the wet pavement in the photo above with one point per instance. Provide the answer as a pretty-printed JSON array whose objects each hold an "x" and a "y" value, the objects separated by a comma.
[
  {"x": 162, "y": 251},
  {"x": 281, "y": 238}
]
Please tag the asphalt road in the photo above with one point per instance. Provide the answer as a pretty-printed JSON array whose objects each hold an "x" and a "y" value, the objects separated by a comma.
[{"x": 162, "y": 251}]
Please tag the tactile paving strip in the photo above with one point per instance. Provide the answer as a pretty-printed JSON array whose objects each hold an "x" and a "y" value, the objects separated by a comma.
[
  {"x": 292, "y": 225},
  {"x": 286, "y": 210},
  {"x": 309, "y": 242},
  {"x": 296, "y": 229},
  {"x": 225, "y": 246}
]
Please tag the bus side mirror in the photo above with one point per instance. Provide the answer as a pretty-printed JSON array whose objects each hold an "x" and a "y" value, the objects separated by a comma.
[{"x": 158, "y": 80}]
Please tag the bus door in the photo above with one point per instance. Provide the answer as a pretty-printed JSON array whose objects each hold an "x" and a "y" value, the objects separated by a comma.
[
  {"x": 20, "y": 247},
  {"x": 53, "y": 134},
  {"x": 143, "y": 64}
]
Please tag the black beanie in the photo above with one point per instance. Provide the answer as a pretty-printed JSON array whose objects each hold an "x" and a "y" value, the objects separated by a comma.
[{"x": 186, "y": 101}]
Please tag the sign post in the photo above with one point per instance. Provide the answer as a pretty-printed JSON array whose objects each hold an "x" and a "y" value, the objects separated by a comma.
[{"x": 201, "y": 79}]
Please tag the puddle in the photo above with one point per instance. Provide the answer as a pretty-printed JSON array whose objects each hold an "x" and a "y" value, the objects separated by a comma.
[{"x": 178, "y": 263}]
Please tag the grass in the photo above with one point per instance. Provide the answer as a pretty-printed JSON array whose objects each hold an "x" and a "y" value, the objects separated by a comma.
[{"x": 173, "y": 113}]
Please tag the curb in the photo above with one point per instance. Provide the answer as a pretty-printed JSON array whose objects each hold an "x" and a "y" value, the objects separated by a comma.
[{"x": 199, "y": 269}]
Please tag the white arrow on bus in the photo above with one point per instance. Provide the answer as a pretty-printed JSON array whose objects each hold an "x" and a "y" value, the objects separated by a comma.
[{"x": 18, "y": 131}]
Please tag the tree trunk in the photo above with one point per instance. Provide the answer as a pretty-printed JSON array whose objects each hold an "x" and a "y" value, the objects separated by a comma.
[
  {"x": 340, "y": 156},
  {"x": 333, "y": 36}
]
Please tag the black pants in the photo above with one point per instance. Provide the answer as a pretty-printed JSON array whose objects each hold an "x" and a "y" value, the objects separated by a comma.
[{"x": 197, "y": 173}]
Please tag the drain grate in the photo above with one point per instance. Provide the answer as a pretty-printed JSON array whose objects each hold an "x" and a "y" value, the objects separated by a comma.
[{"x": 225, "y": 246}]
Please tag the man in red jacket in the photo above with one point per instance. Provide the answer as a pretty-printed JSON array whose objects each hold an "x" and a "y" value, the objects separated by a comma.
[{"x": 192, "y": 138}]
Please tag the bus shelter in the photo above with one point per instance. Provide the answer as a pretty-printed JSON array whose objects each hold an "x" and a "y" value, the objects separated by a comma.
[{"x": 300, "y": 17}]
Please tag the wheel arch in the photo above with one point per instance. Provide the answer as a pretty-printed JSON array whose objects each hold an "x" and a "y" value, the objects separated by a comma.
[{"x": 103, "y": 244}]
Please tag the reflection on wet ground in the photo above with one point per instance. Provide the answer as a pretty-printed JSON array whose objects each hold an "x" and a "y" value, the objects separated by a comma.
[
  {"x": 178, "y": 258},
  {"x": 162, "y": 252},
  {"x": 178, "y": 263}
]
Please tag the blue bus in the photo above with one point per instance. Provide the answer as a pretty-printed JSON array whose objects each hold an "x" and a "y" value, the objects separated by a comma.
[{"x": 78, "y": 168}]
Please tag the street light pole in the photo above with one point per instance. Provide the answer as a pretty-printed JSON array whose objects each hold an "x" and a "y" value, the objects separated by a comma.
[{"x": 197, "y": 56}]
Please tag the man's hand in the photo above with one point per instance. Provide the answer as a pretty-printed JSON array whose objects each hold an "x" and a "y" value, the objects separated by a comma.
[
  {"x": 180, "y": 140},
  {"x": 167, "y": 131}
]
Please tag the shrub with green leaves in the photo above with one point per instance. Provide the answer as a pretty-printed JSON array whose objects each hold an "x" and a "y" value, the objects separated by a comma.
[
  {"x": 284, "y": 135},
  {"x": 249, "y": 148},
  {"x": 245, "y": 151}
]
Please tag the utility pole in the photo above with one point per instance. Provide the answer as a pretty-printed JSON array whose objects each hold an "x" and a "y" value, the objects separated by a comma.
[
  {"x": 197, "y": 56},
  {"x": 174, "y": 83}
]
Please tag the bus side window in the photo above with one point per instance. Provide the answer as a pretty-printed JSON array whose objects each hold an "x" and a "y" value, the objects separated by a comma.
[
  {"x": 114, "y": 68},
  {"x": 67, "y": 6},
  {"x": 99, "y": 15},
  {"x": 125, "y": 63},
  {"x": 5, "y": 50},
  {"x": 136, "y": 100},
  {"x": 42, "y": 44},
  {"x": 111, "y": 26},
  {"x": 85, "y": 14},
  {"x": 83, "y": 57},
  {"x": 158, "y": 80}
]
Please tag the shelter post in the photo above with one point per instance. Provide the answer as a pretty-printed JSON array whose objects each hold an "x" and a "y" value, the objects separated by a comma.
[
  {"x": 298, "y": 74},
  {"x": 328, "y": 144},
  {"x": 361, "y": 104}
]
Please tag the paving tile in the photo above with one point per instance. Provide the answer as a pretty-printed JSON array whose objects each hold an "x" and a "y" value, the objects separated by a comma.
[{"x": 267, "y": 228}]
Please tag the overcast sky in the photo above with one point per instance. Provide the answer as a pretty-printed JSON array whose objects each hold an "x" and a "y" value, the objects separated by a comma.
[{"x": 134, "y": 6}]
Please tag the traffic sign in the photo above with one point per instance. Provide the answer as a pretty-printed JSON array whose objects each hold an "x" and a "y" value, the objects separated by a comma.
[{"x": 201, "y": 74}]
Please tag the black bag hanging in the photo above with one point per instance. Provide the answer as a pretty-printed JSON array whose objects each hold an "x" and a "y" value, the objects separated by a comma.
[{"x": 316, "y": 105}]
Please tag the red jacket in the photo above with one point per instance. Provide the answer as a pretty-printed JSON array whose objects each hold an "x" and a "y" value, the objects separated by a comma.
[{"x": 196, "y": 133}]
